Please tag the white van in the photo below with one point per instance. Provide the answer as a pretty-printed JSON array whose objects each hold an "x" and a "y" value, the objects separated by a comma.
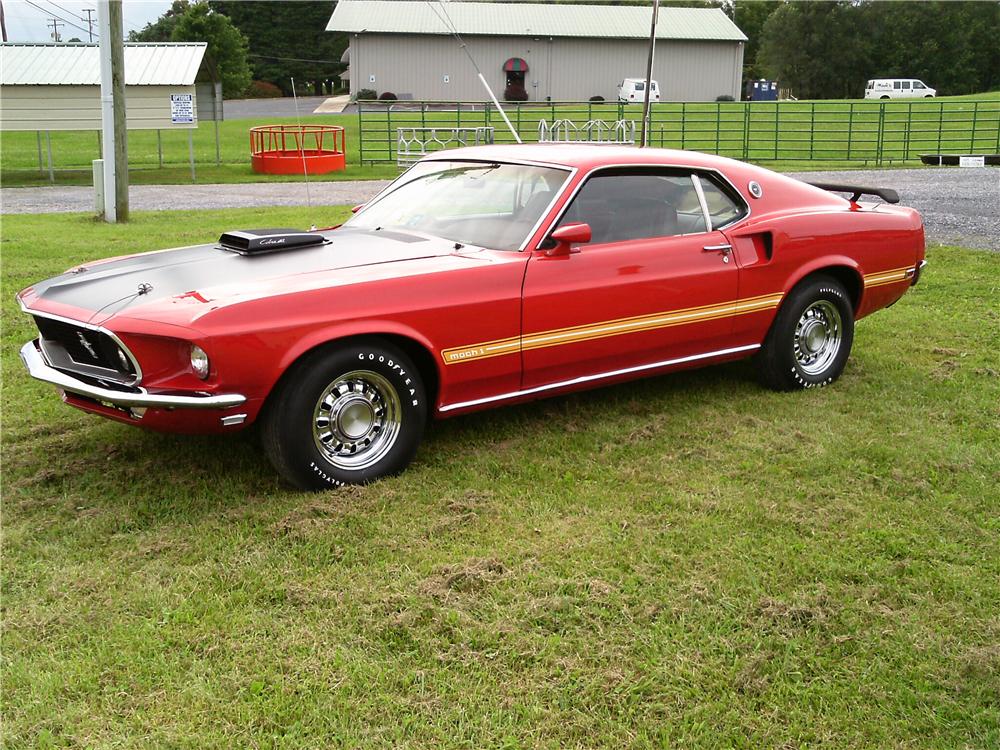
[
  {"x": 898, "y": 88},
  {"x": 634, "y": 90}
]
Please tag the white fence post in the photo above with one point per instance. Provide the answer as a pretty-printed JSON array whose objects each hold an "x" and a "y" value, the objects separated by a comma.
[{"x": 98, "y": 166}]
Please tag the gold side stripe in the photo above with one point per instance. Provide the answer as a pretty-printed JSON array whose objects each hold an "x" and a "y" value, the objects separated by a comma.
[
  {"x": 890, "y": 276},
  {"x": 880, "y": 276},
  {"x": 604, "y": 329},
  {"x": 885, "y": 282}
]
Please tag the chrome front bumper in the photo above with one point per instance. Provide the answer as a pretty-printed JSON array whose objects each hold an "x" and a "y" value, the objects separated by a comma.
[{"x": 39, "y": 369}]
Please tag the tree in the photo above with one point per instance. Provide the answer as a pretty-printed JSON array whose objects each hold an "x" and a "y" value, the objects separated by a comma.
[
  {"x": 750, "y": 16},
  {"x": 162, "y": 28},
  {"x": 226, "y": 55},
  {"x": 824, "y": 50},
  {"x": 951, "y": 46},
  {"x": 289, "y": 40},
  {"x": 819, "y": 49}
]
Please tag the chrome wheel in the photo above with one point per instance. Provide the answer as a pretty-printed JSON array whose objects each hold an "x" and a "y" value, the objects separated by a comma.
[
  {"x": 817, "y": 338},
  {"x": 357, "y": 420}
]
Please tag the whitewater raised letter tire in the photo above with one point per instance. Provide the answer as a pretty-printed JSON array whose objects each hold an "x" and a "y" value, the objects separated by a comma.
[
  {"x": 346, "y": 415},
  {"x": 810, "y": 341}
]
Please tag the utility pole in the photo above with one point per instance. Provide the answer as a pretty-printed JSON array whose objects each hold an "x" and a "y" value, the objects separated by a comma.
[
  {"x": 114, "y": 144},
  {"x": 3, "y": 23},
  {"x": 55, "y": 24},
  {"x": 643, "y": 140},
  {"x": 90, "y": 22}
]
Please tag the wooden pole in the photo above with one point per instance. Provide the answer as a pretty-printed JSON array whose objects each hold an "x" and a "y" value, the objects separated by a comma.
[
  {"x": 649, "y": 73},
  {"x": 121, "y": 134},
  {"x": 115, "y": 143}
]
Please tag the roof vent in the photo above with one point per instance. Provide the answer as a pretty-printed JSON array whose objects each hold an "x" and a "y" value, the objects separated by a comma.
[{"x": 260, "y": 241}]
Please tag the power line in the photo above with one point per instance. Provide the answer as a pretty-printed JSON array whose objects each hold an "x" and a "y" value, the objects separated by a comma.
[
  {"x": 50, "y": 13},
  {"x": 64, "y": 10},
  {"x": 294, "y": 59},
  {"x": 89, "y": 19}
]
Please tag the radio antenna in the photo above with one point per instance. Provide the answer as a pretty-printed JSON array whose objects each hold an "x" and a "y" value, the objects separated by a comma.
[
  {"x": 302, "y": 144},
  {"x": 449, "y": 26}
]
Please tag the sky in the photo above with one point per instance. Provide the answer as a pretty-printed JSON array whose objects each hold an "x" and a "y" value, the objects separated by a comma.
[{"x": 28, "y": 20}]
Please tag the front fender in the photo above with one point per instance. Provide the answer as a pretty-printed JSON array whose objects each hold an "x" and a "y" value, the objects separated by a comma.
[{"x": 338, "y": 331}]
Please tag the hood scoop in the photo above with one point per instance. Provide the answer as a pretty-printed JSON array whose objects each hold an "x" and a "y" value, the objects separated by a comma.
[{"x": 261, "y": 241}]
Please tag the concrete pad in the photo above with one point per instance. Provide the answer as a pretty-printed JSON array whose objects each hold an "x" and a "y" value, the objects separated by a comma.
[{"x": 333, "y": 106}]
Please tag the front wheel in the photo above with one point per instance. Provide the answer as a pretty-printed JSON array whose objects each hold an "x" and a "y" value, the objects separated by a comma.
[
  {"x": 810, "y": 340},
  {"x": 346, "y": 416}
]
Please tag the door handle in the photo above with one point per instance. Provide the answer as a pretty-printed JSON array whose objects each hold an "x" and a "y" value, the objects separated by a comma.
[{"x": 724, "y": 249}]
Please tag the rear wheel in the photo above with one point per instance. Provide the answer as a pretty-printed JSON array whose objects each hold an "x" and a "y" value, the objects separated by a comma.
[
  {"x": 346, "y": 416},
  {"x": 810, "y": 340}
]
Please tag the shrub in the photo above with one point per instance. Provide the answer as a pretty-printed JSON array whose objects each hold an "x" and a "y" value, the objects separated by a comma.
[
  {"x": 366, "y": 94},
  {"x": 263, "y": 90},
  {"x": 724, "y": 98},
  {"x": 387, "y": 96},
  {"x": 597, "y": 98},
  {"x": 515, "y": 93}
]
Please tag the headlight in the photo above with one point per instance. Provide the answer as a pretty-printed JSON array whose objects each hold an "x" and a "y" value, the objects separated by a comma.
[{"x": 199, "y": 361}]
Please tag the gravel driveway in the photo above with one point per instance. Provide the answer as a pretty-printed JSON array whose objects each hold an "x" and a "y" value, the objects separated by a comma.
[
  {"x": 37, "y": 200},
  {"x": 959, "y": 206}
]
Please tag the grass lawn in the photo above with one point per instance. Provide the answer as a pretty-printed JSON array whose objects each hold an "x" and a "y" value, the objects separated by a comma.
[
  {"x": 687, "y": 561},
  {"x": 803, "y": 135}
]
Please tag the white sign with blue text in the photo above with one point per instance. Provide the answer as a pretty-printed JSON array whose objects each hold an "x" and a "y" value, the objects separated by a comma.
[{"x": 181, "y": 108}]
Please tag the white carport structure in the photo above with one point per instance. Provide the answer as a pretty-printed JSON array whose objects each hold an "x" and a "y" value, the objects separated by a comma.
[{"x": 46, "y": 87}]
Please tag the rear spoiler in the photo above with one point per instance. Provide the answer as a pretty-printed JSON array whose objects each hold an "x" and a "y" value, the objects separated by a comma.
[{"x": 887, "y": 194}]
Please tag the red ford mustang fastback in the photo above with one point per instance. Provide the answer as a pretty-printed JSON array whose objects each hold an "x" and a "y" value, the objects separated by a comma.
[{"x": 480, "y": 277}]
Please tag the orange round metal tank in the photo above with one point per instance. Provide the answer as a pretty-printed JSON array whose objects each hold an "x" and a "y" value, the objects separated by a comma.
[{"x": 297, "y": 149}]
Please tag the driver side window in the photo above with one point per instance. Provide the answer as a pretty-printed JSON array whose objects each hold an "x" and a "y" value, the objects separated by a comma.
[{"x": 622, "y": 205}]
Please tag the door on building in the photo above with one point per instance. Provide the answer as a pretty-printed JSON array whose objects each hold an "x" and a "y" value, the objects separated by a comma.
[{"x": 515, "y": 69}]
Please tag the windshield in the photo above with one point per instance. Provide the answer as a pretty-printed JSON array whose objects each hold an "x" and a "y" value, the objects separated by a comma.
[{"x": 490, "y": 205}]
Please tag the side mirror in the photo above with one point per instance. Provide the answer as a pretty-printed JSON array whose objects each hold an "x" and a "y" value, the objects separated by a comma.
[
  {"x": 357, "y": 208},
  {"x": 567, "y": 236}
]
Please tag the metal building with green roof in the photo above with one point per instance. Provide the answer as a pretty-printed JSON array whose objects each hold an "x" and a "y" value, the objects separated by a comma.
[{"x": 557, "y": 51}]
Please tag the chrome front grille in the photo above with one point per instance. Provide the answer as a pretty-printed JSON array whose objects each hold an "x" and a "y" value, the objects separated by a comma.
[{"x": 85, "y": 351}]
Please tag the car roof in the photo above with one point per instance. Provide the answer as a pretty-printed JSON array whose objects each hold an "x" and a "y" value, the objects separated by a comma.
[{"x": 586, "y": 156}]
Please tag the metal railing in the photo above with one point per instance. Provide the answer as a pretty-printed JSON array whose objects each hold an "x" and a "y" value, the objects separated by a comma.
[
  {"x": 862, "y": 132},
  {"x": 412, "y": 144},
  {"x": 591, "y": 131}
]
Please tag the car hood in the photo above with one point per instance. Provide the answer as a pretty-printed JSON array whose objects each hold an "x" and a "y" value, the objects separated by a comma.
[{"x": 210, "y": 274}]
